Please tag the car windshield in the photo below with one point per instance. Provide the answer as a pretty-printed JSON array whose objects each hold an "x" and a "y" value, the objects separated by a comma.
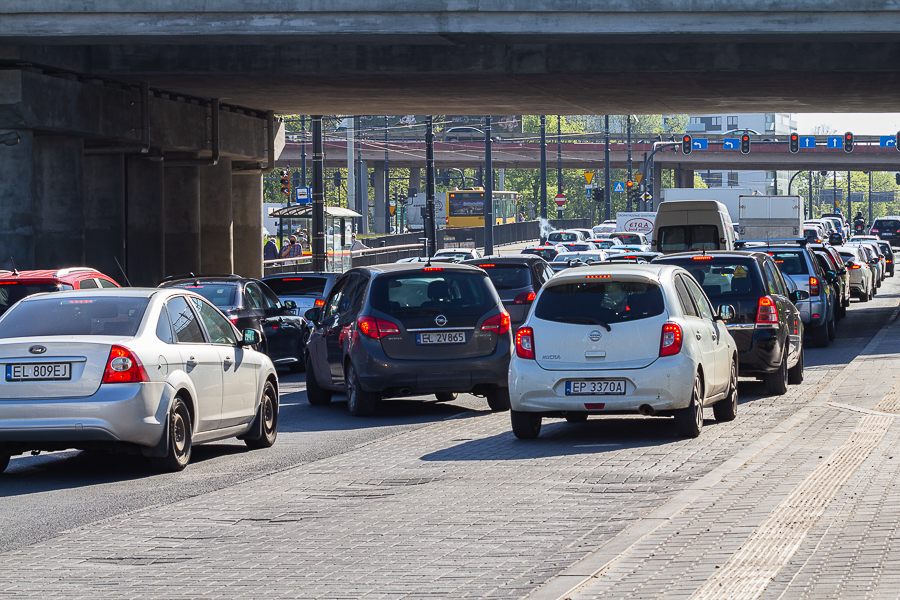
[
  {"x": 508, "y": 277},
  {"x": 592, "y": 303},
  {"x": 451, "y": 293},
  {"x": 297, "y": 286},
  {"x": 13, "y": 291},
  {"x": 684, "y": 238},
  {"x": 721, "y": 278},
  {"x": 563, "y": 236},
  {"x": 886, "y": 225},
  {"x": 222, "y": 295},
  {"x": 71, "y": 315},
  {"x": 791, "y": 262}
]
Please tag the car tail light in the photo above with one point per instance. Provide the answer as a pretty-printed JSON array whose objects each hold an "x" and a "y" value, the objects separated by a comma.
[
  {"x": 874, "y": 231},
  {"x": 856, "y": 266},
  {"x": 123, "y": 367},
  {"x": 814, "y": 289},
  {"x": 767, "y": 314},
  {"x": 320, "y": 302},
  {"x": 498, "y": 324},
  {"x": 525, "y": 298},
  {"x": 525, "y": 343},
  {"x": 376, "y": 328},
  {"x": 233, "y": 320},
  {"x": 672, "y": 339}
]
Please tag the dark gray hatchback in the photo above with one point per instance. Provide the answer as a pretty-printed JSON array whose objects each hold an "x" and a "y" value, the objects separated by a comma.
[{"x": 409, "y": 329}]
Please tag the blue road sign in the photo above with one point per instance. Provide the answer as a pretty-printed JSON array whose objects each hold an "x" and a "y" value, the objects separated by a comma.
[
  {"x": 888, "y": 141},
  {"x": 731, "y": 143},
  {"x": 303, "y": 195},
  {"x": 808, "y": 141},
  {"x": 699, "y": 144},
  {"x": 835, "y": 142},
  {"x": 619, "y": 186},
  {"x": 587, "y": 191}
]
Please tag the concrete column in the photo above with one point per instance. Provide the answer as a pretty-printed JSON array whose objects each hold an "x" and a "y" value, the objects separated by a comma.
[
  {"x": 145, "y": 219},
  {"x": 380, "y": 204},
  {"x": 657, "y": 183},
  {"x": 688, "y": 176},
  {"x": 16, "y": 222},
  {"x": 247, "y": 207},
  {"x": 216, "y": 250},
  {"x": 364, "y": 195},
  {"x": 182, "y": 192},
  {"x": 58, "y": 202},
  {"x": 104, "y": 214}
]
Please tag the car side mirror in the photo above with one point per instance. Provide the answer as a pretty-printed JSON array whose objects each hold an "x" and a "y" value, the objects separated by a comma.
[
  {"x": 251, "y": 338},
  {"x": 313, "y": 314},
  {"x": 798, "y": 295},
  {"x": 726, "y": 313},
  {"x": 290, "y": 304}
]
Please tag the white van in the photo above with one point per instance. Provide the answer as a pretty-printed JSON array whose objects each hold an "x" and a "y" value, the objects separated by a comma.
[{"x": 689, "y": 225}]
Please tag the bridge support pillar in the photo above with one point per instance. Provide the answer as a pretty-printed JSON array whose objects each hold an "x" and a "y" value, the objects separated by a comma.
[
  {"x": 380, "y": 202},
  {"x": 104, "y": 214},
  {"x": 247, "y": 197},
  {"x": 363, "y": 208},
  {"x": 58, "y": 202},
  {"x": 16, "y": 221},
  {"x": 657, "y": 184},
  {"x": 145, "y": 221},
  {"x": 216, "y": 249},
  {"x": 182, "y": 190}
]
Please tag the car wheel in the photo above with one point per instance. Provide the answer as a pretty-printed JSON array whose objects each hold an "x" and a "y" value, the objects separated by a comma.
[
  {"x": 831, "y": 328},
  {"x": 4, "y": 462},
  {"x": 726, "y": 409},
  {"x": 268, "y": 414},
  {"x": 360, "y": 402},
  {"x": 819, "y": 335},
  {"x": 525, "y": 425},
  {"x": 689, "y": 420},
  {"x": 576, "y": 417},
  {"x": 795, "y": 373},
  {"x": 314, "y": 393},
  {"x": 180, "y": 436},
  {"x": 498, "y": 399},
  {"x": 446, "y": 396},
  {"x": 777, "y": 382}
]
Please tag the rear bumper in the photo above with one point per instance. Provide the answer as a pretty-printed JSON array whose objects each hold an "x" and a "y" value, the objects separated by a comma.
[
  {"x": 815, "y": 307},
  {"x": 762, "y": 353},
  {"x": 125, "y": 413},
  {"x": 665, "y": 385}
]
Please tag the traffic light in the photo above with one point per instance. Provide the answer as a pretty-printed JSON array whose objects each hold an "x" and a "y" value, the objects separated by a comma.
[
  {"x": 629, "y": 191},
  {"x": 337, "y": 178},
  {"x": 848, "y": 142},
  {"x": 600, "y": 194},
  {"x": 687, "y": 144},
  {"x": 285, "y": 182},
  {"x": 795, "y": 143},
  {"x": 897, "y": 178},
  {"x": 897, "y": 141},
  {"x": 745, "y": 143}
]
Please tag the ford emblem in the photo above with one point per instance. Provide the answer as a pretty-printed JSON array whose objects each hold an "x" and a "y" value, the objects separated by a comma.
[
  {"x": 37, "y": 349},
  {"x": 441, "y": 320},
  {"x": 595, "y": 336}
]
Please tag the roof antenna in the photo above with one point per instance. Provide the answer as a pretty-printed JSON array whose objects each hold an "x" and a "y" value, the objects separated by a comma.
[
  {"x": 13, "y": 263},
  {"x": 123, "y": 271}
]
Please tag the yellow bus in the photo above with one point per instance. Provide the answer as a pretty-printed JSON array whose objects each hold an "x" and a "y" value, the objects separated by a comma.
[{"x": 465, "y": 208}]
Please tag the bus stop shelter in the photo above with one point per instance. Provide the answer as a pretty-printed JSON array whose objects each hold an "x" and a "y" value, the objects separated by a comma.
[{"x": 338, "y": 231}]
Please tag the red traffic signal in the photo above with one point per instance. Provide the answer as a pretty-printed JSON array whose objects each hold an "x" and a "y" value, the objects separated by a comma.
[
  {"x": 745, "y": 143},
  {"x": 687, "y": 144},
  {"x": 629, "y": 184},
  {"x": 795, "y": 143},
  {"x": 848, "y": 142}
]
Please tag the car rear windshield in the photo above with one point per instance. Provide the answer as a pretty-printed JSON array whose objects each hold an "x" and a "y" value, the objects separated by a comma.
[
  {"x": 450, "y": 293},
  {"x": 508, "y": 277},
  {"x": 721, "y": 278},
  {"x": 791, "y": 262},
  {"x": 605, "y": 245},
  {"x": 590, "y": 303},
  {"x": 562, "y": 236},
  {"x": 576, "y": 247},
  {"x": 887, "y": 225},
  {"x": 545, "y": 253},
  {"x": 71, "y": 315},
  {"x": 628, "y": 238},
  {"x": 13, "y": 291},
  {"x": 684, "y": 238},
  {"x": 297, "y": 286},
  {"x": 222, "y": 295}
]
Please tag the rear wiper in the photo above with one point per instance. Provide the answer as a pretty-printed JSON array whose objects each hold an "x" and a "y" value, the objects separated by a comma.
[{"x": 584, "y": 321}]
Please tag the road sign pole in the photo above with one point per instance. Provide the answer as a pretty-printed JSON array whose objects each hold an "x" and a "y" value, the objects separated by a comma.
[
  {"x": 488, "y": 181},
  {"x": 607, "y": 201},
  {"x": 318, "y": 198},
  {"x": 543, "y": 176},
  {"x": 628, "y": 135},
  {"x": 430, "y": 225}
]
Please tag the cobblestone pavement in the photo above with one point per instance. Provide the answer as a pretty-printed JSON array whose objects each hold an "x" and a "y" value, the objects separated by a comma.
[{"x": 613, "y": 508}]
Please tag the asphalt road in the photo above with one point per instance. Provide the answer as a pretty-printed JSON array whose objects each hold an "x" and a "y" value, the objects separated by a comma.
[{"x": 43, "y": 496}]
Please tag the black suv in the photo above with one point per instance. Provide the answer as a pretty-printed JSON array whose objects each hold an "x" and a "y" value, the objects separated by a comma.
[
  {"x": 250, "y": 304},
  {"x": 517, "y": 279},
  {"x": 888, "y": 229},
  {"x": 766, "y": 325},
  {"x": 409, "y": 329}
]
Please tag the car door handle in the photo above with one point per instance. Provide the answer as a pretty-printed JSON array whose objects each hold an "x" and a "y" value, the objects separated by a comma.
[
  {"x": 227, "y": 362},
  {"x": 191, "y": 363}
]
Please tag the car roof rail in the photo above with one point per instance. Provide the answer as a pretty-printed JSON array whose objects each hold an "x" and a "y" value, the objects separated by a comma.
[
  {"x": 72, "y": 270},
  {"x": 773, "y": 242}
]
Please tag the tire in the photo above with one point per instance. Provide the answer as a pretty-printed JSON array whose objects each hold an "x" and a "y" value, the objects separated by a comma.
[
  {"x": 180, "y": 440},
  {"x": 864, "y": 297},
  {"x": 525, "y": 425},
  {"x": 498, "y": 399},
  {"x": 726, "y": 409},
  {"x": 689, "y": 420},
  {"x": 268, "y": 414},
  {"x": 819, "y": 336},
  {"x": 576, "y": 417},
  {"x": 831, "y": 328},
  {"x": 795, "y": 373},
  {"x": 360, "y": 402},
  {"x": 777, "y": 382},
  {"x": 314, "y": 393},
  {"x": 446, "y": 396},
  {"x": 4, "y": 462}
]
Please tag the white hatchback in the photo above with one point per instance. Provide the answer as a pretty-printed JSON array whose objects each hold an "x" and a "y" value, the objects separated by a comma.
[
  {"x": 151, "y": 371},
  {"x": 621, "y": 339}
]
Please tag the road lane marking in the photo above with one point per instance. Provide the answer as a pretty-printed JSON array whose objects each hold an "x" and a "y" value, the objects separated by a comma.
[{"x": 859, "y": 409}]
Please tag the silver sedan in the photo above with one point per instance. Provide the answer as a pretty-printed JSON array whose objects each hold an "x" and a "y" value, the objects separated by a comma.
[{"x": 149, "y": 371}]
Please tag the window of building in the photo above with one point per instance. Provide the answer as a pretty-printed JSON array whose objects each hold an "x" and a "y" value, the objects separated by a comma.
[
  {"x": 712, "y": 179},
  {"x": 732, "y": 179},
  {"x": 716, "y": 121},
  {"x": 695, "y": 121},
  {"x": 732, "y": 122}
]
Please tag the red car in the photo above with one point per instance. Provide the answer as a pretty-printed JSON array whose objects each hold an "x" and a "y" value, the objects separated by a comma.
[{"x": 15, "y": 285}]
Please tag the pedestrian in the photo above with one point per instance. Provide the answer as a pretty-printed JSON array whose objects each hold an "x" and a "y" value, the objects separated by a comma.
[
  {"x": 355, "y": 244},
  {"x": 293, "y": 249},
  {"x": 270, "y": 250}
]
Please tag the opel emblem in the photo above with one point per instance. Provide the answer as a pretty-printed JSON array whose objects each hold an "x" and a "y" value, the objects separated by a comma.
[
  {"x": 441, "y": 320},
  {"x": 37, "y": 349},
  {"x": 595, "y": 336}
]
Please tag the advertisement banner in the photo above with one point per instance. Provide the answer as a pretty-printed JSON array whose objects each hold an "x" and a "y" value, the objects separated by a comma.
[{"x": 636, "y": 222}]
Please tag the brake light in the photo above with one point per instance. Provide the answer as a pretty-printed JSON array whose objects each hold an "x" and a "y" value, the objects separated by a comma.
[
  {"x": 431, "y": 269},
  {"x": 487, "y": 265},
  {"x": 767, "y": 312},
  {"x": 856, "y": 266},
  {"x": 525, "y": 343},
  {"x": 671, "y": 340},
  {"x": 702, "y": 258},
  {"x": 376, "y": 328},
  {"x": 814, "y": 286},
  {"x": 597, "y": 276},
  {"x": 123, "y": 367},
  {"x": 525, "y": 298},
  {"x": 498, "y": 324},
  {"x": 320, "y": 302}
]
